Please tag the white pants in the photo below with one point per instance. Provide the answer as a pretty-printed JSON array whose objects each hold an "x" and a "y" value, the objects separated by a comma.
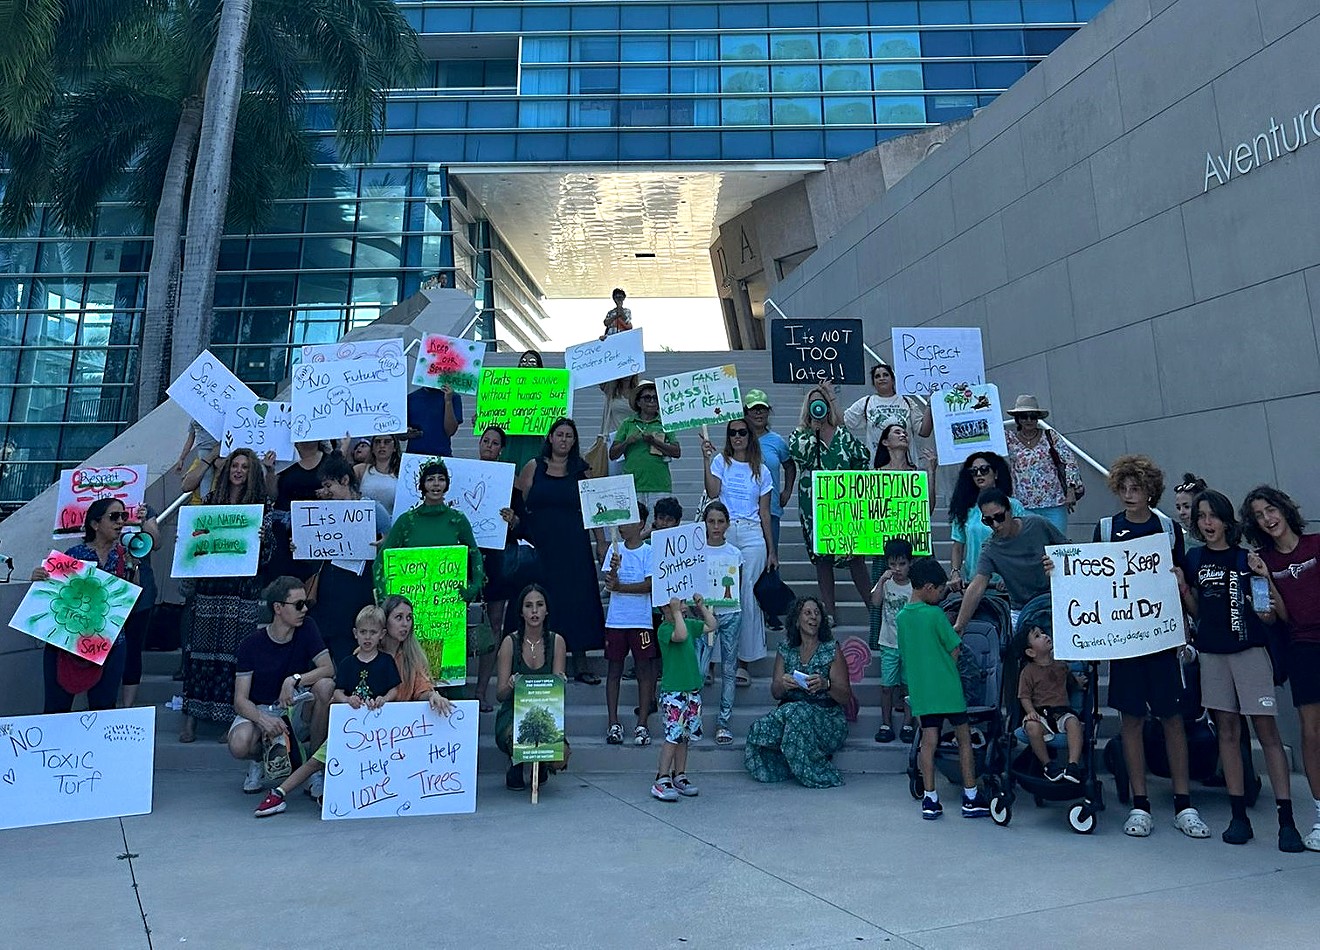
[{"x": 748, "y": 538}]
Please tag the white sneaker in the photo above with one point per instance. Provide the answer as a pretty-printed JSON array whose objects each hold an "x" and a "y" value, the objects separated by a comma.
[
  {"x": 1189, "y": 822},
  {"x": 316, "y": 787},
  {"x": 1312, "y": 841},
  {"x": 253, "y": 783}
]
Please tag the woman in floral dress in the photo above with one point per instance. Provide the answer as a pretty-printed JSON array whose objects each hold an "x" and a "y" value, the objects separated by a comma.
[{"x": 1045, "y": 475}]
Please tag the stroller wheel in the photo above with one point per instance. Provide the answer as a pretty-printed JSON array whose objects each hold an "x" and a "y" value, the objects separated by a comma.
[
  {"x": 1081, "y": 818},
  {"x": 915, "y": 786},
  {"x": 1001, "y": 811}
]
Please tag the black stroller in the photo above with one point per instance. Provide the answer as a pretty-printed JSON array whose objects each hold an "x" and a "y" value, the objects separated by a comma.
[
  {"x": 980, "y": 664},
  {"x": 1022, "y": 768}
]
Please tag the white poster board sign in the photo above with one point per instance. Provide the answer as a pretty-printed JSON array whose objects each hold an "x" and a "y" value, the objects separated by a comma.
[
  {"x": 608, "y": 501},
  {"x": 351, "y": 350},
  {"x": 449, "y": 361},
  {"x": 967, "y": 419},
  {"x": 218, "y": 541},
  {"x": 402, "y": 760},
  {"x": 704, "y": 397},
  {"x": 206, "y": 390},
  {"x": 349, "y": 397},
  {"x": 1114, "y": 600},
  {"x": 334, "y": 530},
  {"x": 678, "y": 561},
  {"x": 261, "y": 426},
  {"x": 79, "y": 487},
  {"x": 76, "y": 766},
  {"x": 928, "y": 359},
  {"x": 477, "y": 489},
  {"x": 618, "y": 356}
]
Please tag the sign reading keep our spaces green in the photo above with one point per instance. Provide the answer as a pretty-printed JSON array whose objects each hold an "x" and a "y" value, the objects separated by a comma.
[
  {"x": 538, "y": 719},
  {"x": 522, "y": 401},
  {"x": 856, "y": 512},
  {"x": 433, "y": 579}
]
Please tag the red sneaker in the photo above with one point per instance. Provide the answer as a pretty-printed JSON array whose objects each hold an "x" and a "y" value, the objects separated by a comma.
[{"x": 272, "y": 804}]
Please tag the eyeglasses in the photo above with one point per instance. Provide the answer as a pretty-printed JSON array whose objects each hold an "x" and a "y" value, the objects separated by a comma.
[
  {"x": 295, "y": 604},
  {"x": 650, "y": 396},
  {"x": 991, "y": 520},
  {"x": 980, "y": 469},
  {"x": 738, "y": 433},
  {"x": 118, "y": 516}
]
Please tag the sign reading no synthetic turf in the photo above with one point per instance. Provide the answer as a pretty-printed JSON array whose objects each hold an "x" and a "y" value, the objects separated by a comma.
[
  {"x": 816, "y": 351},
  {"x": 857, "y": 512}
]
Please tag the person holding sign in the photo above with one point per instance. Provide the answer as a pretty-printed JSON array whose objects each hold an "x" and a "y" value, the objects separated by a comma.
[
  {"x": 893, "y": 454},
  {"x": 521, "y": 449},
  {"x": 400, "y": 642},
  {"x": 645, "y": 447},
  {"x": 867, "y": 417},
  {"x": 680, "y": 694},
  {"x": 434, "y": 415},
  {"x": 627, "y": 572},
  {"x": 1237, "y": 678},
  {"x": 729, "y": 619},
  {"x": 531, "y": 650}
]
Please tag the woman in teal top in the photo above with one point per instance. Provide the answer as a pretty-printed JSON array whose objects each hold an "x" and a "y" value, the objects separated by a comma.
[{"x": 979, "y": 472}]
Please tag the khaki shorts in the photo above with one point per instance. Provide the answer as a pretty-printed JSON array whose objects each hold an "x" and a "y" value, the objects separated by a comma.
[{"x": 1239, "y": 682}]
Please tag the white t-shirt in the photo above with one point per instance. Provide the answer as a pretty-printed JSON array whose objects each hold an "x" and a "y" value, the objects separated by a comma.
[
  {"x": 724, "y": 554},
  {"x": 740, "y": 494},
  {"x": 894, "y": 597},
  {"x": 867, "y": 417},
  {"x": 629, "y": 611}
]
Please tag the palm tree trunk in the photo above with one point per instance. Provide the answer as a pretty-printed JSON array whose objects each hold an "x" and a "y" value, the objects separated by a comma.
[
  {"x": 210, "y": 187},
  {"x": 166, "y": 252}
]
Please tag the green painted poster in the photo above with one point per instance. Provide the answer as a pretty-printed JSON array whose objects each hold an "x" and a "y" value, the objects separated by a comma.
[
  {"x": 433, "y": 579},
  {"x": 538, "y": 719},
  {"x": 856, "y": 512},
  {"x": 524, "y": 401}
]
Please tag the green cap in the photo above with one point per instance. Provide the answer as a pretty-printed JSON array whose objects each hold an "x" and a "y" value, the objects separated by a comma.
[{"x": 755, "y": 397}]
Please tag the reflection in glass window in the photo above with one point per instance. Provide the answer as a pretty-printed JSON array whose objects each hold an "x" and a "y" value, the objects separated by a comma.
[
  {"x": 545, "y": 49},
  {"x": 744, "y": 79},
  {"x": 844, "y": 46},
  {"x": 744, "y": 46},
  {"x": 595, "y": 49},
  {"x": 896, "y": 45},
  {"x": 745, "y": 111},
  {"x": 901, "y": 76},
  {"x": 644, "y": 49},
  {"x": 542, "y": 115},
  {"x": 323, "y": 289},
  {"x": 801, "y": 111},
  {"x": 640, "y": 113},
  {"x": 948, "y": 108},
  {"x": 795, "y": 78},
  {"x": 694, "y": 79},
  {"x": 591, "y": 113},
  {"x": 535, "y": 82},
  {"x": 694, "y": 112},
  {"x": 795, "y": 46},
  {"x": 693, "y": 49},
  {"x": 846, "y": 78},
  {"x": 848, "y": 111},
  {"x": 595, "y": 80},
  {"x": 900, "y": 110},
  {"x": 996, "y": 11}
]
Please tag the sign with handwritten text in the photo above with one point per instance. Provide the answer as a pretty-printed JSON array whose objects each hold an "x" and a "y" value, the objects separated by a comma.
[
  {"x": 477, "y": 489},
  {"x": 678, "y": 560},
  {"x": 1114, "y": 600},
  {"x": 931, "y": 359},
  {"x": 449, "y": 361},
  {"x": 81, "y": 609},
  {"x": 607, "y": 501},
  {"x": 857, "y": 512},
  {"x": 433, "y": 579},
  {"x": 351, "y": 350},
  {"x": 334, "y": 530},
  {"x": 618, "y": 356},
  {"x": 703, "y": 397},
  {"x": 79, "y": 487},
  {"x": 218, "y": 541},
  {"x": 261, "y": 426},
  {"x": 349, "y": 397},
  {"x": 402, "y": 760},
  {"x": 967, "y": 419},
  {"x": 814, "y": 351},
  {"x": 206, "y": 390},
  {"x": 521, "y": 401},
  {"x": 538, "y": 719},
  {"x": 76, "y": 766}
]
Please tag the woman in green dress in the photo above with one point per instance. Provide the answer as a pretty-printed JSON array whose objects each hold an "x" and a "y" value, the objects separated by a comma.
[
  {"x": 811, "y": 684},
  {"x": 531, "y": 649}
]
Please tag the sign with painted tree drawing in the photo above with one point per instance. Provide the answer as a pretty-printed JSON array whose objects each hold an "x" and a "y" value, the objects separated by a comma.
[
  {"x": 80, "y": 610},
  {"x": 608, "y": 501}
]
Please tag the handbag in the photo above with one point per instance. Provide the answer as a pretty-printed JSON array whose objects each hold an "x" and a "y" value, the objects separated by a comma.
[
  {"x": 772, "y": 595},
  {"x": 313, "y": 585},
  {"x": 598, "y": 459},
  {"x": 1061, "y": 470}
]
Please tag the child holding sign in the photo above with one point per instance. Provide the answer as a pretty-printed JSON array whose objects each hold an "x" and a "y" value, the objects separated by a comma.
[
  {"x": 627, "y": 571},
  {"x": 680, "y": 695}
]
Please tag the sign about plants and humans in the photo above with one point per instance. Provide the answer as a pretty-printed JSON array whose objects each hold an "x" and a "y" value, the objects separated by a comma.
[
  {"x": 1114, "y": 600},
  {"x": 76, "y": 766},
  {"x": 218, "y": 541},
  {"x": 402, "y": 760},
  {"x": 433, "y": 579},
  {"x": 703, "y": 397},
  {"x": 261, "y": 426},
  {"x": 349, "y": 397},
  {"x": 611, "y": 500},
  {"x": 538, "y": 719},
  {"x": 618, "y": 356},
  {"x": 522, "y": 401},
  {"x": 206, "y": 390},
  {"x": 814, "y": 351},
  {"x": 857, "y": 512},
  {"x": 79, "y": 487},
  {"x": 449, "y": 361},
  {"x": 930, "y": 359},
  {"x": 81, "y": 609},
  {"x": 967, "y": 420}
]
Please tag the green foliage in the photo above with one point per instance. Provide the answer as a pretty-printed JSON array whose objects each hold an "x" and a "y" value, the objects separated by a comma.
[{"x": 537, "y": 728}]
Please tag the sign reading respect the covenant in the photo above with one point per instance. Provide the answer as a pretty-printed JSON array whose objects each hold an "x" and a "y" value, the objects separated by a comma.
[
  {"x": 930, "y": 359},
  {"x": 521, "y": 401},
  {"x": 1114, "y": 600},
  {"x": 857, "y": 512},
  {"x": 816, "y": 351},
  {"x": 79, "y": 487},
  {"x": 705, "y": 397}
]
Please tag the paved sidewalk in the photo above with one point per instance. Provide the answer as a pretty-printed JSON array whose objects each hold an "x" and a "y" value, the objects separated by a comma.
[{"x": 600, "y": 864}]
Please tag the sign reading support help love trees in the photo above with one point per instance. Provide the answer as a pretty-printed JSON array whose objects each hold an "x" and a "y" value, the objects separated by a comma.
[
  {"x": 477, "y": 489},
  {"x": 929, "y": 359},
  {"x": 1114, "y": 600},
  {"x": 521, "y": 401},
  {"x": 538, "y": 719},
  {"x": 349, "y": 397},
  {"x": 262, "y": 427},
  {"x": 967, "y": 420},
  {"x": 81, "y": 609},
  {"x": 618, "y": 356},
  {"x": 678, "y": 559},
  {"x": 76, "y": 766},
  {"x": 334, "y": 530},
  {"x": 608, "y": 501},
  {"x": 206, "y": 390},
  {"x": 79, "y": 487},
  {"x": 814, "y": 351},
  {"x": 449, "y": 361},
  {"x": 433, "y": 579},
  {"x": 857, "y": 512},
  {"x": 705, "y": 397},
  {"x": 218, "y": 541},
  {"x": 400, "y": 761}
]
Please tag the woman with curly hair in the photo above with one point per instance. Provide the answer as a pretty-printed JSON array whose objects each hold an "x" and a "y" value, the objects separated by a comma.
[{"x": 979, "y": 472}]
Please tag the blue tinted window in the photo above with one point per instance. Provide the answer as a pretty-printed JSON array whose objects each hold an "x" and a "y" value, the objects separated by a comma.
[
  {"x": 595, "y": 49},
  {"x": 690, "y": 145},
  {"x": 694, "y": 79},
  {"x": 751, "y": 46},
  {"x": 840, "y": 143},
  {"x": 745, "y": 111},
  {"x": 592, "y": 113},
  {"x": 595, "y": 17},
  {"x": 447, "y": 20},
  {"x": 744, "y": 79},
  {"x": 900, "y": 76},
  {"x": 999, "y": 75},
  {"x": 795, "y": 79},
  {"x": 442, "y": 114},
  {"x": 744, "y": 144},
  {"x": 395, "y": 148},
  {"x": 439, "y": 148},
  {"x": 699, "y": 17},
  {"x": 539, "y": 16},
  {"x": 798, "y": 144},
  {"x": 793, "y": 14},
  {"x": 1086, "y": 9},
  {"x": 900, "y": 110},
  {"x": 400, "y": 115},
  {"x": 743, "y": 15},
  {"x": 592, "y": 146},
  {"x": 489, "y": 148},
  {"x": 644, "y": 16},
  {"x": 644, "y": 49},
  {"x": 944, "y": 11},
  {"x": 948, "y": 108},
  {"x": 643, "y": 79},
  {"x": 949, "y": 76},
  {"x": 488, "y": 114},
  {"x": 594, "y": 80},
  {"x": 496, "y": 19},
  {"x": 946, "y": 43},
  {"x": 794, "y": 46},
  {"x": 844, "y": 46},
  {"x": 545, "y": 49},
  {"x": 893, "y": 13},
  {"x": 849, "y": 110},
  {"x": 797, "y": 111},
  {"x": 845, "y": 78},
  {"x": 694, "y": 112},
  {"x": 643, "y": 113},
  {"x": 542, "y": 147},
  {"x": 1044, "y": 42},
  {"x": 643, "y": 146},
  {"x": 843, "y": 14},
  {"x": 996, "y": 11},
  {"x": 895, "y": 45},
  {"x": 683, "y": 49},
  {"x": 1047, "y": 11},
  {"x": 997, "y": 43},
  {"x": 543, "y": 115},
  {"x": 545, "y": 82}
]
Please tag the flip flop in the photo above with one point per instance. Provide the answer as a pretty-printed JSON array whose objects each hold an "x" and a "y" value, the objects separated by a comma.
[{"x": 743, "y": 678}]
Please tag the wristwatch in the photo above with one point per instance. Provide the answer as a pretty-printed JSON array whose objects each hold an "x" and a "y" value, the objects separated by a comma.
[{"x": 297, "y": 679}]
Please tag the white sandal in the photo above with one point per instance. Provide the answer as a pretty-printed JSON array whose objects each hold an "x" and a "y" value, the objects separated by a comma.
[
  {"x": 1138, "y": 824},
  {"x": 1189, "y": 822}
]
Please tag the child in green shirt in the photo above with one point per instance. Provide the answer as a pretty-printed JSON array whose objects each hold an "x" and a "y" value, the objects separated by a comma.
[{"x": 680, "y": 694}]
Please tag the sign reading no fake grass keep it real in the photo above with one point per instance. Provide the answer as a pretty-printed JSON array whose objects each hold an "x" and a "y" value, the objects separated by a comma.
[
  {"x": 857, "y": 512},
  {"x": 522, "y": 401}
]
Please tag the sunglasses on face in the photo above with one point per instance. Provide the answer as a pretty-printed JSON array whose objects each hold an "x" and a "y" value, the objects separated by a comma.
[
  {"x": 980, "y": 469},
  {"x": 118, "y": 516},
  {"x": 991, "y": 520},
  {"x": 295, "y": 604},
  {"x": 738, "y": 433}
]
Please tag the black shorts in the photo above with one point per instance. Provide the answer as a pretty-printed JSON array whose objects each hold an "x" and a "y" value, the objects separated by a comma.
[
  {"x": 936, "y": 720},
  {"x": 1304, "y": 673},
  {"x": 1145, "y": 684}
]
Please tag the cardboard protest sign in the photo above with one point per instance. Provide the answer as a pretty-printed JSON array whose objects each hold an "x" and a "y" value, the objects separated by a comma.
[
  {"x": 678, "y": 559},
  {"x": 81, "y": 609},
  {"x": 261, "y": 426},
  {"x": 618, "y": 356},
  {"x": 930, "y": 359},
  {"x": 449, "y": 361},
  {"x": 79, "y": 487},
  {"x": 704, "y": 397},
  {"x": 608, "y": 501},
  {"x": 334, "y": 530},
  {"x": 76, "y": 766},
  {"x": 967, "y": 420},
  {"x": 352, "y": 350},
  {"x": 477, "y": 489},
  {"x": 218, "y": 541},
  {"x": 521, "y": 401},
  {"x": 856, "y": 512},
  {"x": 400, "y": 761},
  {"x": 206, "y": 390},
  {"x": 813, "y": 351},
  {"x": 433, "y": 579},
  {"x": 349, "y": 397},
  {"x": 1114, "y": 600},
  {"x": 538, "y": 719}
]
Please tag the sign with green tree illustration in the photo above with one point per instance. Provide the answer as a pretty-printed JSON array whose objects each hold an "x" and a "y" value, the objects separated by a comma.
[
  {"x": 218, "y": 541},
  {"x": 724, "y": 572},
  {"x": 81, "y": 609},
  {"x": 538, "y": 719},
  {"x": 608, "y": 501}
]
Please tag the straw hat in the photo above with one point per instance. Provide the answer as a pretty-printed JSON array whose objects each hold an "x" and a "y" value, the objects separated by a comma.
[
  {"x": 1028, "y": 405},
  {"x": 636, "y": 394}
]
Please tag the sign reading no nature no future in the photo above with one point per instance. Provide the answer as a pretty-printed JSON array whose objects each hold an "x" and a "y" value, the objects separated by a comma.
[{"x": 857, "y": 512}]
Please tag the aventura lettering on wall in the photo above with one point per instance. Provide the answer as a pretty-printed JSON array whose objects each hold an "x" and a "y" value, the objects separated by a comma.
[{"x": 1263, "y": 148}]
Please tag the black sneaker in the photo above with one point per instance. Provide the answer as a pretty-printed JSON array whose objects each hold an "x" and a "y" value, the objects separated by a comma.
[
  {"x": 1290, "y": 840},
  {"x": 884, "y": 734},
  {"x": 1073, "y": 773},
  {"x": 907, "y": 733},
  {"x": 931, "y": 809},
  {"x": 1053, "y": 771},
  {"x": 976, "y": 807},
  {"x": 1238, "y": 831},
  {"x": 513, "y": 779}
]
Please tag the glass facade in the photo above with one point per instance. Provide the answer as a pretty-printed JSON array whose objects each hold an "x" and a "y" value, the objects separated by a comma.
[{"x": 539, "y": 82}]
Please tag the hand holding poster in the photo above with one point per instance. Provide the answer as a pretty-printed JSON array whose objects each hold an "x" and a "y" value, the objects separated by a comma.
[
  {"x": 618, "y": 356},
  {"x": 856, "y": 512},
  {"x": 449, "y": 361},
  {"x": 522, "y": 401},
  {"x": 400, "y": 761},
  {"x": 261, "y": 426},
  {"x": 330, "y": 530},
  {"x": 206, "y": 390},
  {"x": 967, "y": 419},
  {"x": 608, "y": 501},
  {"x": 538, "y": 719},
  {"x": 723, "y": 576},
  {"x": 930, "y": 359},
  {"x": 81, "y": 609},
  {"x": 433, "y": 579},
  {"x": 477, "y": 489},
  {"x": 349, "y": 397},
  {"x": 813, "y": 351},
  {"x": 218, "y": 541},
  {"x": 76, "y": 766},
  {"x": 678, "y": 556},
  {"x": 1114, "y": 600},
  {"x": 704, "y": 397},
  {"x": 79, "y": 487}
]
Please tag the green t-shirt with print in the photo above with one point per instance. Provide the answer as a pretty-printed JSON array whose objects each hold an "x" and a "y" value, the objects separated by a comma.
[{"x": 926, "y": 641}]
